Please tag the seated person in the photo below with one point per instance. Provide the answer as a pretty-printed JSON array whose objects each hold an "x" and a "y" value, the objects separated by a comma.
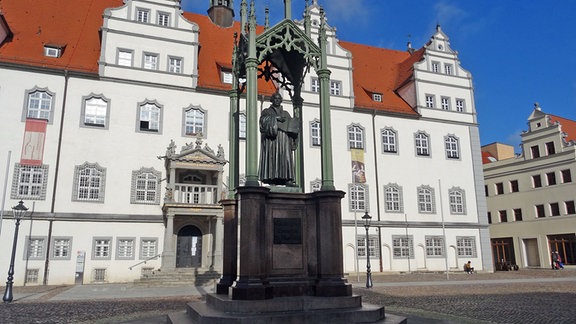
[{"x": 468, "y": 268}]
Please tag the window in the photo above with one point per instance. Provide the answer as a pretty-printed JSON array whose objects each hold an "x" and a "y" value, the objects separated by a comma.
[
  {"x": 242, "y": 130},
  {"x": 194, "y": 120},
  {"x": 99, "y": 275},
  {"x": 451, "y": 143},
  {"x": 393, "y": 198},
  {"x": 32, "y": 276},
  {"x": 570, "y": 207},
  {"x": 535, "y": 151},
  {"x": 489, "y": 218},
  {"x": 503, "y": 216},
  {"x": 550, "y": 148},
  {"x": 426, "y": 200},
  {"x": 101, "y": 248},
  {"x": 315, "y": 133},
  {"x": 175, "y": 64},
  {"x": 145, "y": 187},
  {"x": 125, "y": 57},
  {"x": 554, "y": 209},
  {"x": 537, "y": 181},
  {"x": 551, "y": 177},
  {"x": 355, "y": 137},
  {"x": 315, "y": 85},
  {"x": 430, "y": 101},
  {"x": 514, "y": 186},
  {"x": 518, "y": 214},
  {"x": 456, "y": 196},
  {"x": 358, "y": 197},
  {"x": 434, "y": 246},
  {"x": 150, "y": 61},
  {"x": 335, "y": 88},
  {"x": 402, "y": 247},
  {"x": 89, "y": 181},
  {"x": 163, "y": 19},
  {"x": 125, "y": 248},
  {"x": 389, "y": 141},
  {"x": 150, "y": 115},
  {"x": 61, "y": 247},
  {"x": 486, "y": 190},
  {"x": 315, "y": 185},
  {"x": 35, "y": 248},
  {"x": 148, "y": 248},
  {"x": 422, "y": 144},
  {"x": 445, "y": 103},
  {"x": 499, "y": 188},
  {"x": 460, "y": 105},
  {"x": 566, "y": 176},
  {"x": 29, "y": 182},
  {"x": 142, "y": 15},
  {"x": 435, "y": 67},
  {"x": 372, "y": 246},
  {"x": 377, "y": 97},
  {"x": 466, "y": 246},
  {"x": 39, "y": 105},
  {"x": 448, "y": 69},
  {"x": 226, "y": 76},
  {"x": 52, "y": 51},
  {"x": 94, "y": 112},
  {"x": 540, "y": 211}
]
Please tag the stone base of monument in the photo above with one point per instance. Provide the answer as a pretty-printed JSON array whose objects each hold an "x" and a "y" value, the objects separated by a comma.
[{"x": 284, "y": 310}]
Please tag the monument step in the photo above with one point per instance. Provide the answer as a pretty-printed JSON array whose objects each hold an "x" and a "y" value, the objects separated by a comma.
[{"x": 176, "y": 277}]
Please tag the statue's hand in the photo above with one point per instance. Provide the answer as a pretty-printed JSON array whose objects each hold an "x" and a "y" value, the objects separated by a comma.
[{"x": 281, "y": 119}]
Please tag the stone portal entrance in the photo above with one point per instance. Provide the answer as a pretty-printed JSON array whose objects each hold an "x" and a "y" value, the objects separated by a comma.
[{"x": 189, "y": 247}]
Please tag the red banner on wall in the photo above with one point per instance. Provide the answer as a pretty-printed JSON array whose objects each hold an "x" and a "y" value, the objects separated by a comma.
[{"x": 33, "y": 144}]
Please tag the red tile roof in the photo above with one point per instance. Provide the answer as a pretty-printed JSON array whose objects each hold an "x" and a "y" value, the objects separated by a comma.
[
  {"x": 76, "y": 25},
  {"x": 568, "y": 126},
  {"x": 486, "y": 158}
]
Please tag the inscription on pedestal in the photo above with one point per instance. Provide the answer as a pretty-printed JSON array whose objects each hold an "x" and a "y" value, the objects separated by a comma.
[{"x": 287, "y": 231}]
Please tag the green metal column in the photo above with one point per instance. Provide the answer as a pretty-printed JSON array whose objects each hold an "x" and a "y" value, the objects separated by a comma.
[
  {"x": 233, "y": 141},
  {"x": 252, "y": 104}
]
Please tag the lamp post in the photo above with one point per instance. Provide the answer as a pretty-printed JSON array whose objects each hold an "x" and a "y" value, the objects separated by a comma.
[
  {"x": 367, "y": 219},
  {"x": 18, "y": 211}
]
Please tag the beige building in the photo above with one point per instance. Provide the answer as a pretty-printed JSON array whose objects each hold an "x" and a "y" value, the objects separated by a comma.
[{"x": 531, "y": 196}]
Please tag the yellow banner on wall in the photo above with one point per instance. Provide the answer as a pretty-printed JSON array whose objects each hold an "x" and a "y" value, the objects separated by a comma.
[{"x": 358, "y": 172}]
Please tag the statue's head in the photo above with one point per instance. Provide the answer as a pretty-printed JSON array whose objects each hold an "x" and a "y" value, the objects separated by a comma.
[{"x": 276, "y": 98}]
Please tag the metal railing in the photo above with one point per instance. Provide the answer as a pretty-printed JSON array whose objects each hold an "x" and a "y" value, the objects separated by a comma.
[
  {"x": 144, "y": 261},
  {"x": 195, "y": 194}
]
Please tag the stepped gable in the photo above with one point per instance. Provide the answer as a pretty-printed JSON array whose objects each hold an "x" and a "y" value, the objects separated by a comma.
[{"x": 377, "y": 70}]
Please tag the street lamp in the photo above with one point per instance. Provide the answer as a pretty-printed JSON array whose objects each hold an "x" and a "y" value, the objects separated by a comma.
[
  {"x": 18, "y": 211},
  {"x": 367, "y": 219}
]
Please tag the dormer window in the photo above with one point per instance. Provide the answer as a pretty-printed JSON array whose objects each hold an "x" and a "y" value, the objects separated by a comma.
[
  {"x": 52, "y": 51},
  {"x": 377, "y": 97},
  {"x": 226, "y": 76},
  {"x": 142, "y": 15},
  {"x": 163, "y": 19}
]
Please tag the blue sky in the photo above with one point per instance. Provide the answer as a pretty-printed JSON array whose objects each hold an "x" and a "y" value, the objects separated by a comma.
[{"x": 519, "y": 52}]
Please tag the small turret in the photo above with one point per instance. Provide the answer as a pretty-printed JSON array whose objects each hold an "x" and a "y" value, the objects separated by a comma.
[{"x": 221, "y": 12}]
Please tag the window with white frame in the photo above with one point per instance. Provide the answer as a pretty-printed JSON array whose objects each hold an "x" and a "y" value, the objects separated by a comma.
[
  {"x": 355, "y": 137},
  {"x": 150, "y": 61},
  {"x": 434, "y": 246},
  {"x": 242, "y": 126},
  {"x": 163, "y": 18},
  {"x": 448, "y": 69},
  {"x": 445, "y": 103},
  {"x": 149, "y": 120},
  {"x": 389, "y": 141},
  {"x": 456, "y": 197},
  {"x": 99, "y": 275},
  {"x": 452, "y": 145},
  {"x": 145, "y": 187},
  {"x": 358, "y": 197},
  {"x": 422, "y": 143},
  {"x": 315, "y": 185},
  {"x": 29, "y": 182},
  {"x": 426, "y": 203},
  {"x": 373, "y": 245},
  {"x": 125, "y": 57},
  {"x": 142, "y": 15},
  {"x": 430, "y": 101},
  {"x": 393, "y": 198},
  {"x": 335, "y": 88},
  {"x": 315, "y": 133},
  {"x": 175, "y": 64},
  {"x": 315, "y": 85},
  {"x": 125, "y": 248},
  {"x": 226, "y": 76},
  {"x": 402, "y": 246},
  {"x": 466, "y": 246},
  {"x": 377, "y": 97},
  {"x": 460, "y": 105},
  {"x": 148, "y": 248},
  {"x": 39, "y": 105},
  {"x": 35, "y": 248},
  {"x": 194, "y": 120},
  {"x": 435, "y": 67},
  {"x": 101, "y": 248},
  {"x": 52, "y": 51},
  {"x": 89, "y": 180},
  {"x": 94, "y": 112},
  {"x": 61, "y": 247}
]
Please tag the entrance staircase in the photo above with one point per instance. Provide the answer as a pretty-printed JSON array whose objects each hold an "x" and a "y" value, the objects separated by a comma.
[{"x": 178, "y": 277}]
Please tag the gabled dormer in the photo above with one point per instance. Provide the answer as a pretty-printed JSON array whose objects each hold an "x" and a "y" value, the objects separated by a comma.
[{"x": 162, "y": 46}]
